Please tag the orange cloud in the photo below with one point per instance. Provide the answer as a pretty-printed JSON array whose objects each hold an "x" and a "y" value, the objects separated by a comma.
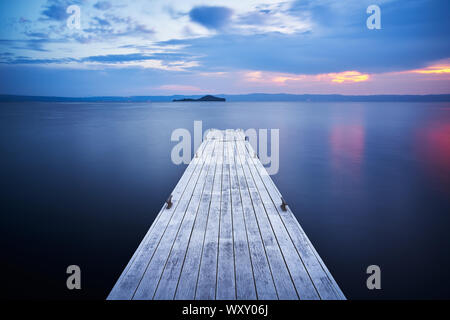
[
  {"x": 283, "y": 79},
  {"x": 441, "y": 67},
  {"x": 348, "y": 76},
  {"x": 436, "y": 69}
]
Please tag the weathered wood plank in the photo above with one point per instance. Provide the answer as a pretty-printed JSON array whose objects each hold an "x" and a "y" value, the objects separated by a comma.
[
  {"x": 245, "y": 283},
  {"x": 169, "y": 279},
  {"x": 226, "y": 236},
  {"x": 147, "y": 286},
  {"x": 302, "y": 281},
  {"x": 265, "y": 286},
  {"x": 190, "y": 270},
  {"x": 283, "y": 282},
  {"x": 325, "y": 284},
  {"x": 226, "y": 289},
  {"x": 207, "y": 280}
]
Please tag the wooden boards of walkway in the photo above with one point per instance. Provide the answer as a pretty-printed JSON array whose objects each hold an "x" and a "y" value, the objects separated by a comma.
[{"x": 225, "y": 236}]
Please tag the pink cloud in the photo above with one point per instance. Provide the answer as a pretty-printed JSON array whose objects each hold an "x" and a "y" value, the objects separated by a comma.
[
  {"x": 276, "y": 78},
  {"x": 433, "y": 79},
  {"x": 440, "y": 67}
]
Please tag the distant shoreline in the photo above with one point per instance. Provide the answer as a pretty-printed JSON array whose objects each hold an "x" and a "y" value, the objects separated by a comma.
[
  {"x": 255, "y": 97},
  {"x": 206, "y": 98}
]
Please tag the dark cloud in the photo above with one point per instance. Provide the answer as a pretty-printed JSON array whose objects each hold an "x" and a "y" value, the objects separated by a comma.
[
  {"x": 117, "y": 58},
  {"x": 414, "y": 33},
  {"x": 109, "y": 59},
  {"x": 412, "y": 36},
  {"x": 55, "y": 12},
  {"x": 56, "y": 9},
  {"x": 103, "y": 5},
  {"x": 112, "y": 26},
  {"x": 24, "y": 60},
  {"x": 40, "y": 35},
  {"x": 31, "y": 44},
  {"x": 211, "y": 17},
  {"x": 102, "y": 22},
  {"x": 307, "y": 55}
]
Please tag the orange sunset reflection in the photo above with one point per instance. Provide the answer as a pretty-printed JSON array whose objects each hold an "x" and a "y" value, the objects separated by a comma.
[{"x": 433, "y": 143}]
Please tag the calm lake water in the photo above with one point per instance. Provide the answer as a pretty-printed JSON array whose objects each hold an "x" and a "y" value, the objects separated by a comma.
[{"x": 82, "y": 182}]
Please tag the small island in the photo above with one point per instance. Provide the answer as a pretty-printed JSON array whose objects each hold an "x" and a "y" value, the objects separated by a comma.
[{"x": 205, "y": 98}]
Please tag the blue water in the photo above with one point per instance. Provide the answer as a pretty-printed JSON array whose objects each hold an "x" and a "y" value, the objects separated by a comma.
[{"x": 82, "y": 182}]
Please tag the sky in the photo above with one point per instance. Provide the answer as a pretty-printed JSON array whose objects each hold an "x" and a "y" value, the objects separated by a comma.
[{"x": 165, "y": 47}]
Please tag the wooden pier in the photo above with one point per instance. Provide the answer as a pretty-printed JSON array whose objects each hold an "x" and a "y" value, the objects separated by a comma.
[{"x": 225, "y": 234}]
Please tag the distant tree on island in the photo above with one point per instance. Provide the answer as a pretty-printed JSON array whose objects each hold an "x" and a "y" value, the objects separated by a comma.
[{"x": 205, "y": 98}]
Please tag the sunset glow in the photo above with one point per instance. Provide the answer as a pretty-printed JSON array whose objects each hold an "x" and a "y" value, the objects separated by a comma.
[
  {"x": 285, "y": 78},
  {"x": 438, "y": 69},
  {"x": 348, "y": 76},
  {"x": 235, "y": 47}
]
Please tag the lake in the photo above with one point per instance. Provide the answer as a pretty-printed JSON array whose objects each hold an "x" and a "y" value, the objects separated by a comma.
[{"x": 81, "y": 184}]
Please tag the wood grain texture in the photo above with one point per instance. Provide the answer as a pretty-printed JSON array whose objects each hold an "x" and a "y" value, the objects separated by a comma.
[{"x": 225, "y": 236}]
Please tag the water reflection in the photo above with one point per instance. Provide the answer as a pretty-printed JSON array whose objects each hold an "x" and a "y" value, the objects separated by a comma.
[
  {"x": 352, "y": 172},
  {"x": 347, "y": 147},
  {"x": 433, "y": 145}
]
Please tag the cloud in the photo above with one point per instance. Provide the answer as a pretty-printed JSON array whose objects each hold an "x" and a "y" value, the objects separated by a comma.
[
  {"x": 31, "y": 44},
  {"x": 118, "y": 58},
  {"x": 260, "y": 17},
  {"x": 103, "y": 5},
  {"x": 28, "y": 61},
  {"x": 111, "y": 23},
  {"x": 102, "y": 22},
  {"x": 283, "y": 79},
  {"x": 271, "y": 18},
  {"x": 56, "y": 9},
  {"x": 413, "y": 35},
  {"x": 347, "y": 82},
  {"x": 211, "y": 17},
  {"x": 439, "y": 68},
  {"x": 55, "y": 12},
  {"x": 113, "y": 26},
  {"x": 348, "y": 76},
  {"x": 277, "y": 43},
  {"x": 111, "y": 80},
  {"x": 161, "y": 61}
]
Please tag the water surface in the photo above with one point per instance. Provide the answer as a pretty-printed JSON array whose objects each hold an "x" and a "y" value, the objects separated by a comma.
[{"x": 82, "y": 182}]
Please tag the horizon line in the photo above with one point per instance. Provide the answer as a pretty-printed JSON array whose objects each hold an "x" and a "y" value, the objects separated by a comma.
[{"x": 3, "y": 95}]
